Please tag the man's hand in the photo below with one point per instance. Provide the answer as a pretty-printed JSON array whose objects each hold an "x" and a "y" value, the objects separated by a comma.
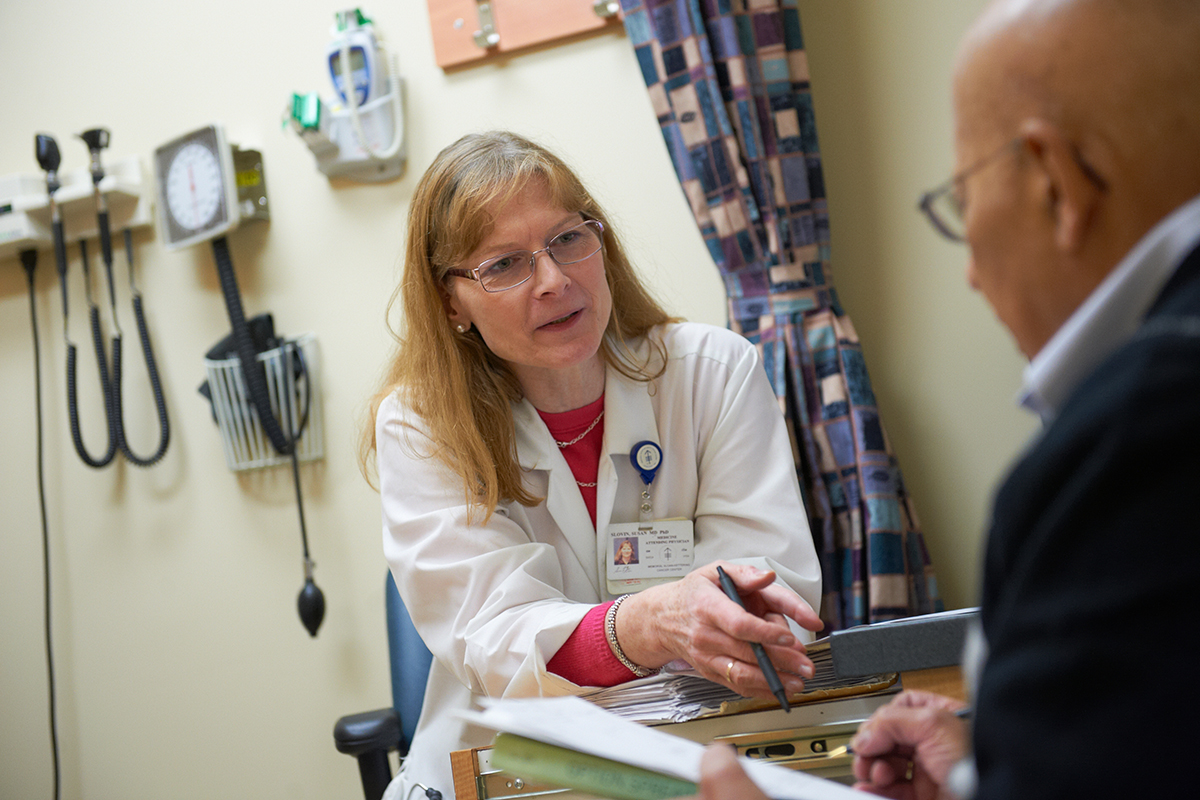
[
  {"x": 722, "y": 777},
  {"x": 906, "y": 749}
]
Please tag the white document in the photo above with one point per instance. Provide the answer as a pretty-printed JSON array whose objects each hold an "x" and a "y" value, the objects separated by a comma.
[{"x": 576, "y": 724}]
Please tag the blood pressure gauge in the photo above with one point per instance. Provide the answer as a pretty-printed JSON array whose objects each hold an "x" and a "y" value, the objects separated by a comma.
[{"x": 206, "y": 186}]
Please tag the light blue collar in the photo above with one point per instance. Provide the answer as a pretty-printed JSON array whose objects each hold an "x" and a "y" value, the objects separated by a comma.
[{"x": 1110, "y": 314}]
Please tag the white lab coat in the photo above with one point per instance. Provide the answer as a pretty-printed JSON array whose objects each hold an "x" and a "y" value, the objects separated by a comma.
[{"x": 494, "y": 602}]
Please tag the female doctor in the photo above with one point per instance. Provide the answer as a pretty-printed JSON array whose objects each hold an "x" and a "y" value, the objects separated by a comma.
[{"x": 540, "y": 407}]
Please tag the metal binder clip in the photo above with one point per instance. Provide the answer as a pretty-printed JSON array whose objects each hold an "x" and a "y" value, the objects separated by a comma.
[{"x": 487, "y": 36}]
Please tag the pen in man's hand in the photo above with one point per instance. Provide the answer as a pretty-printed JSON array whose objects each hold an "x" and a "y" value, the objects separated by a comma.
[
  {"x": 764, "y": 663},
  {"x": 964, "y": 713}
]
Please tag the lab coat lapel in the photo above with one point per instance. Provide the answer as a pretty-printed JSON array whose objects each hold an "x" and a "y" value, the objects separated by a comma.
[
  {"x": 536, "y": 450},
  {"x": 628, "y": 419}
]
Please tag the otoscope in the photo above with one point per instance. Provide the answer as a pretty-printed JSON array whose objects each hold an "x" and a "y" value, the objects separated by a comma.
[
  {"x": 96, "y": 140},
  {"x": 49, "y": 158}
]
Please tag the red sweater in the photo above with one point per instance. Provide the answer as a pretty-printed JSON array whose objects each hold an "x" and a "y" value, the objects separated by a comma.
[{"x": 585, "y": 657}]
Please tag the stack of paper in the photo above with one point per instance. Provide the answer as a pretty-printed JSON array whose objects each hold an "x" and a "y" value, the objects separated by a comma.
[
  {"x": 679, "y": 694},
  {"x": 665, "y": 697}
]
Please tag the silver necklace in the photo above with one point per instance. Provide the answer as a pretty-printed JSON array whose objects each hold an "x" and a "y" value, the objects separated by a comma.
[{"x": 595, "y": 422}]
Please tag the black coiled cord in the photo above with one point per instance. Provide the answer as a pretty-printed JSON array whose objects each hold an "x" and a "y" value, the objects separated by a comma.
[
  {"x": 110, "y": 382},
  {"x": 311, "y": 601},
  {"x": 256, "y": 382},
  {"x": 105, "y": 388},
  {"x": 160, "y": 403}
]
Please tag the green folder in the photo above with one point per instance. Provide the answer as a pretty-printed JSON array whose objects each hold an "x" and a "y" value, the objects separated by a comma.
[{"x": 547, "y": 763}]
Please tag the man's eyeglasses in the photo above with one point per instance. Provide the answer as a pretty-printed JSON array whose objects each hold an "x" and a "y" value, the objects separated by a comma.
[
  {"x": 944, "y": 205},
  {"x": 512, "y": 269}
]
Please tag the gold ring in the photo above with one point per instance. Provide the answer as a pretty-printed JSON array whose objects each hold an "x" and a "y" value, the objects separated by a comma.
[{"x": 729, "y": 671}]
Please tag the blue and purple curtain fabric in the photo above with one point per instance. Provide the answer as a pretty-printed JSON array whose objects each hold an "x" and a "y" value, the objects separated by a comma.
[{"x": 729, "y": 82}]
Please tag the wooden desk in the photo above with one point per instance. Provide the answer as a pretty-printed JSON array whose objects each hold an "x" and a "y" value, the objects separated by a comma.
[{"x": 943, "y": 680}]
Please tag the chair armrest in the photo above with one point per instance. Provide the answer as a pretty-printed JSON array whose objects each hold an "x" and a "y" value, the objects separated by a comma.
[
  {"x": 356, "y": 734},
  {"x": 369, "y": 737}
]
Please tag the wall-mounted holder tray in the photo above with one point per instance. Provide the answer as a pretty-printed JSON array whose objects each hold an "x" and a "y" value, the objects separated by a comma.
[
  {"x": 293, "y": 387},
  {"x": 25, "y": 206}
]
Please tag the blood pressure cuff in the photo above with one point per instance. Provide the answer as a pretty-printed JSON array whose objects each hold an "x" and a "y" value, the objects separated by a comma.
[{"x": 262, "y": 333}]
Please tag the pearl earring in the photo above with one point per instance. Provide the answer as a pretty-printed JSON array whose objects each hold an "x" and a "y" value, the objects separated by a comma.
[{"x": 460, "y": 328}]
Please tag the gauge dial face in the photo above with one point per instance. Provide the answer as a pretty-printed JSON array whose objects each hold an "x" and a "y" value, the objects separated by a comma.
[{"x": 194, "y": 189}]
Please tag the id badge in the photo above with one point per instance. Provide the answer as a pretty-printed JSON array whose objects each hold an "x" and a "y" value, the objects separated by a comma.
[{"x": 645, "y": 554}]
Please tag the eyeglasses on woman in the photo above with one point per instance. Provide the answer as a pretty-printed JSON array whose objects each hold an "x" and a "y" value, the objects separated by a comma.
[{"x": 510, "y": 270}]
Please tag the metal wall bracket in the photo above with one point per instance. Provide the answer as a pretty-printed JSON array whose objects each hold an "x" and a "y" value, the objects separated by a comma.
[
  {"x": 606, "y": 8},
  {"x": 487, "y": 36},
  {"x": 251, "y": 186}
]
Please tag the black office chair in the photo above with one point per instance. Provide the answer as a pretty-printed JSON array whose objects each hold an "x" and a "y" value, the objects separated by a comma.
[{"x": 372, "y": 735}]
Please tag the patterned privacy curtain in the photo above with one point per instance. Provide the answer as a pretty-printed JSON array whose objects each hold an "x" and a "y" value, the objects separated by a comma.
[{"x": 728, "y": 80}]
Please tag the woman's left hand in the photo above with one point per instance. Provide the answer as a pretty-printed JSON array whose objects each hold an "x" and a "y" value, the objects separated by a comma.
[{"x": 693, "y": 620}]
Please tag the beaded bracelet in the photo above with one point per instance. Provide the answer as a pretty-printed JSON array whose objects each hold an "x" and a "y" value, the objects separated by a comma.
[{"x": 610, "y": 632}]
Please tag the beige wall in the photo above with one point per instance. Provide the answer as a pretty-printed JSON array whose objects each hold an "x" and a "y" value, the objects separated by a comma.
[{"x": 180, "y": 660}]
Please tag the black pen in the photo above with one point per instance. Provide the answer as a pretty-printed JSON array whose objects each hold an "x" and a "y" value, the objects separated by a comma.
[
  {"x": 764, "y": 663},
  {"x": 964, "y": 713}
]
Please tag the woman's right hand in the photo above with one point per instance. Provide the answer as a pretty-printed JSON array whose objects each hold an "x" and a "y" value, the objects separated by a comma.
[{"x": 693, "y": 620}]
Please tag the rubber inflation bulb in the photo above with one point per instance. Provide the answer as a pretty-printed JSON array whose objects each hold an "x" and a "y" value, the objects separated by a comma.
[{"x": 311, "y": 604}]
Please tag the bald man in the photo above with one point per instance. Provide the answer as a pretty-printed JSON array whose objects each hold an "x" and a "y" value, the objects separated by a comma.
[{"x": 1077, "y": 143}]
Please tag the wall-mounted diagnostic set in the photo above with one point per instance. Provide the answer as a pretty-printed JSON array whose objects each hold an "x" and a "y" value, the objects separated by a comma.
[
  {"x": 61, "y": 208},
  {"x": 51, "y": 211},
  {"x": 358, "y": 135}
]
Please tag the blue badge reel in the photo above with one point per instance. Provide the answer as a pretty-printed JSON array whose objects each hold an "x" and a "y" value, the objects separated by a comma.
[{"x": 646, "y": 456}]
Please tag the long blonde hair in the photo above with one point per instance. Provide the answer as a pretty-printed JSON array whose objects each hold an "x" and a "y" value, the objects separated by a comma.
[{"x": 460, "y": 389}]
